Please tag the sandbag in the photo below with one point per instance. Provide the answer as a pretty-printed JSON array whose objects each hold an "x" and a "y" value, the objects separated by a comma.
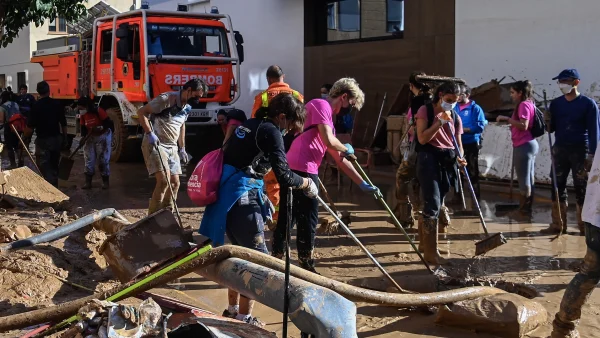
[{"x": 504, "y": 315}]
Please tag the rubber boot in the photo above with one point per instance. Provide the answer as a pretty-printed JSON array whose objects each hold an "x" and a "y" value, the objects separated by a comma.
[
  {"x": 577, "y": 293},
  {"x": 430, "y": 242},
  {"x": 12, "y": 159},
  {"x": 580, "y": 223},
  {"x": 444, "y": 219},
  {"x": 404, "y": 214},
  {"x": 555, "y": 226},
  {"x": 307, "y": 262},
  {"x": 88, "y": 182},
  {"x": 105, "y": 182}
]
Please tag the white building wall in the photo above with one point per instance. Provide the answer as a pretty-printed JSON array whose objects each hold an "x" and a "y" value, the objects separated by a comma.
[
  {"x": 13, "y": 56},
  {"x": 273, "y": 32},
  {"x": 525, "y": 39}
]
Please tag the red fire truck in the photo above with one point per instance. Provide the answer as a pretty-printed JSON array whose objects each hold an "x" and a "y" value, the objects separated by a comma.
[{"x": 124, "y": 60}]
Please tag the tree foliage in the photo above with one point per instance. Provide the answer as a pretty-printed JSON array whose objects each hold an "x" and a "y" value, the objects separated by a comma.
[{"x": 17, "y": 14}]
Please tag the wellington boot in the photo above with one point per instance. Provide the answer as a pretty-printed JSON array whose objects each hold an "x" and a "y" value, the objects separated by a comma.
[
  {"x": 404, "y": 214},
  {"x": 88, "y": 182},
  {"x": 444, "y": 219},
  {"x": 307, "y": 262},
  {"x": 555, "y": 226},
  {"x": 580, "y": 223},
  {"x": 105, "y": 182},
  {"x": 430, "y": 242}
]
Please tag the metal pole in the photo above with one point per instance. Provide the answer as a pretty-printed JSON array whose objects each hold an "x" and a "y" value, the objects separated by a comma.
[
  {"x": 554, "y": 184},
  {"x": 288, "y": 239},
  {"x": 357, "y": 241},
  {"x": 379, "y": 118}
]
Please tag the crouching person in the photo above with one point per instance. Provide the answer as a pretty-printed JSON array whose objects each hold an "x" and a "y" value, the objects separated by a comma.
[
  {"x": 96, "y": 129},
  {"x": 241, "y": 208}
]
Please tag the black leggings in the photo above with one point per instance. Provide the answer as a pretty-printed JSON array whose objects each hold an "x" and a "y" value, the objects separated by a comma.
[
  {"x": 305, "y": 214},
  {"x": 434, "y": 186}
]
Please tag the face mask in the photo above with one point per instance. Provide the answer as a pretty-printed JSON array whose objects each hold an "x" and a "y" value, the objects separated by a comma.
[
  {"x": 448, "y": 106},
  {"x": 82, "y": 111},
  {"x": 324, "y": 96},
  {"x": 565, "y": 88}
]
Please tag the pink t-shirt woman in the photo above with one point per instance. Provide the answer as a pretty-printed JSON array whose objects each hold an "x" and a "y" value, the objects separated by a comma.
[{"x": 525, "y": 111}]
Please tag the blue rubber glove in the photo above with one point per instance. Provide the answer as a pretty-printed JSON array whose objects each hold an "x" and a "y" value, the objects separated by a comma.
[
  {"x": 366, "y": 187},
  {"x": 350, "y": 150},
  {"x": 152, "y": 138}
]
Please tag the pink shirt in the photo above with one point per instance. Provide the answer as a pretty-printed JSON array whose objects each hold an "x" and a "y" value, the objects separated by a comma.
[
  {"x": 411, "y": 134},
  {"x": 442, "y": 139},
  {"x": 525, "y": 111},
  {"x": 308, "y": 148}
]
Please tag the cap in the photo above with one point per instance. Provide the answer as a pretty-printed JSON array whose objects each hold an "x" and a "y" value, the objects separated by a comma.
[{"x": 567, "y": 74}]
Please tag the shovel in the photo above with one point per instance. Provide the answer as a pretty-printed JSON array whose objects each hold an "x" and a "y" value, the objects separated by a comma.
[{"x": 66, "y": 163}]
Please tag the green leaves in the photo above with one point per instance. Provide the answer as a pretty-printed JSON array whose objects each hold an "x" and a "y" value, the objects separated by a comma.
[{"x": 17, "y": 14}]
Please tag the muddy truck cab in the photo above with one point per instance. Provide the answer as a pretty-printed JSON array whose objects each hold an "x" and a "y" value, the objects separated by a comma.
[{"x": 124, "y": 60}]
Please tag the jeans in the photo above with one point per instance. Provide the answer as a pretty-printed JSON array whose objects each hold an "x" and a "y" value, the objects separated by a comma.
[
  {"x": 434, "y": 186},
  {"x": 581, "y": 287},
  {"x": 524, "y": 161},
  {"x": 245, "y": 225},
  {"x": 305, "y": 214},
  {"x": 97, "y": 148},
  {"x": 567, "y": 160},
  {"x": 47, "y": 156}
]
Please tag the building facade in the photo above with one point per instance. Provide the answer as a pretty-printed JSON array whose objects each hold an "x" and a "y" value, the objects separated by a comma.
[{"x": 15, "y": 68}]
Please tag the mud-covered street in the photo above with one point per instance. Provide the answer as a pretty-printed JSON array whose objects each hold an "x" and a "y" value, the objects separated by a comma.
[{"x": 541, "y": 268}]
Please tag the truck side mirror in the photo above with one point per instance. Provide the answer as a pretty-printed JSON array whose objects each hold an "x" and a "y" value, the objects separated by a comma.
[
  {"x": 123, "y": 31},
  {"x": 239, "y": 45}
]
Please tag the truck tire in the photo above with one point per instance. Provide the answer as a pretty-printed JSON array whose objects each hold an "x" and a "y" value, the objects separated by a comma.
[{"x": 122, "y": 149}]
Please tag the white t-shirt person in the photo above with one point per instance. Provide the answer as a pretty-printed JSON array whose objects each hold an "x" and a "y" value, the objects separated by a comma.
[{"x": 591, "y": 206}]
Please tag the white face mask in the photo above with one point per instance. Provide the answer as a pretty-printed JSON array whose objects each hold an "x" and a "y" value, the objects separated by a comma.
[
  {"x": 448, "y": 106},
  {"x": 565, "y": 88}
]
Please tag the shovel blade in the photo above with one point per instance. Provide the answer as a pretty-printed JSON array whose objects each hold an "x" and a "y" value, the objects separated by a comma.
[{"x": 64, "y": 168}]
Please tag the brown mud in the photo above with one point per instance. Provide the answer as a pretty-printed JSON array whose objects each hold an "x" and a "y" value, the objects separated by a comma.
[{"x": 530, "y": 263}]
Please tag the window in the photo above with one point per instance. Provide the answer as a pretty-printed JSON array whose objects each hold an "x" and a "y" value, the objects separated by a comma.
[
  {"x": 395, "y": 16},
  {"x": 349, "y": 15},
  {"x": 366, "y": 19},
  {"x": 105, "y": 46},
  {"x": 21, "y": 79},
  {"x": 187, "y": 40},
  {"x": 58, "y": 25},
  {"x": 331, "y": 16}
]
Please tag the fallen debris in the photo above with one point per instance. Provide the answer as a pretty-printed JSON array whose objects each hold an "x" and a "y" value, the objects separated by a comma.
[
  {"x": 504, "y": 315},
  {"x": 24, "y": 187}
]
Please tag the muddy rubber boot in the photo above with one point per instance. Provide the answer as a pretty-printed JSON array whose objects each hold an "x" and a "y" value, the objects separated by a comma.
[
  {"x": 580, "y": 222},
  {"x": 444, "y": 219},
  {"x": 105, "y": 182},
  {"x": 88, "y": 182},
  {"x": 575, "y": 297},
  {"x": 404, "y": 214},
  {"x": 307, "y": 262},
  {"x": 555, "y": 227},
  {"x": 430, "y": 242},
  {"x": 12, "y": 159}
]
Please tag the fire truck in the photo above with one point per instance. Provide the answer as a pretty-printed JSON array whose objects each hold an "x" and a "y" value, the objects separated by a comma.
[{"x": 124, "y": 60}]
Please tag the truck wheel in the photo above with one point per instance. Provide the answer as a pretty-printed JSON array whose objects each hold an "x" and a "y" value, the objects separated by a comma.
[{"x": 122, "y": 149}]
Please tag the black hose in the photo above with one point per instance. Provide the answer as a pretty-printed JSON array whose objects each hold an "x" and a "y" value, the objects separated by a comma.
[{"x": 61, "y": 231}]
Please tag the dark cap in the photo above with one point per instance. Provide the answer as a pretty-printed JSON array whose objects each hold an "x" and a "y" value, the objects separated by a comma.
[
  {"x": 567, "y": 74},
  {"x": 83, "y": 101}
]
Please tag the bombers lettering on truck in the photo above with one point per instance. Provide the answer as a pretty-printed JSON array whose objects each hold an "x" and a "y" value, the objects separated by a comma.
[{"x": 182, "y": 79}]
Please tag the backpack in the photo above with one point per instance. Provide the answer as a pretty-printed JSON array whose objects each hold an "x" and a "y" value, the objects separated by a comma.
[
  {"x": 18, "y": 121},
  {"x": 430, "y": 118},
  {"x": 538, "y": 128},
  {"x": 203, "y": 185}
]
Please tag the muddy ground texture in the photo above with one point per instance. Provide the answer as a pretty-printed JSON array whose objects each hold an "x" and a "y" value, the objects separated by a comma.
[{"x": 52, "y": 273}]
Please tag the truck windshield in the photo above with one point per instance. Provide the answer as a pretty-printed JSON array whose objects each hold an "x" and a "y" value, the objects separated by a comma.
[{"x": 187, "y": 40}]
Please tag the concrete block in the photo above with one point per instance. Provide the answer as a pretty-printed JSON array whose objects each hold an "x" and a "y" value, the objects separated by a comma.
[{"x": 25, "y": 186}]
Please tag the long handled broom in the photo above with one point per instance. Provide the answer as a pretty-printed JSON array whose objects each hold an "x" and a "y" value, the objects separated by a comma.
[
  {"x": 362, "y": 247},
  {"x": 288, "y": 239},
  {"x": 493, "y": 241},
  {"x": 554, "y": 184},
  {"x": 396, "y": 223}
]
